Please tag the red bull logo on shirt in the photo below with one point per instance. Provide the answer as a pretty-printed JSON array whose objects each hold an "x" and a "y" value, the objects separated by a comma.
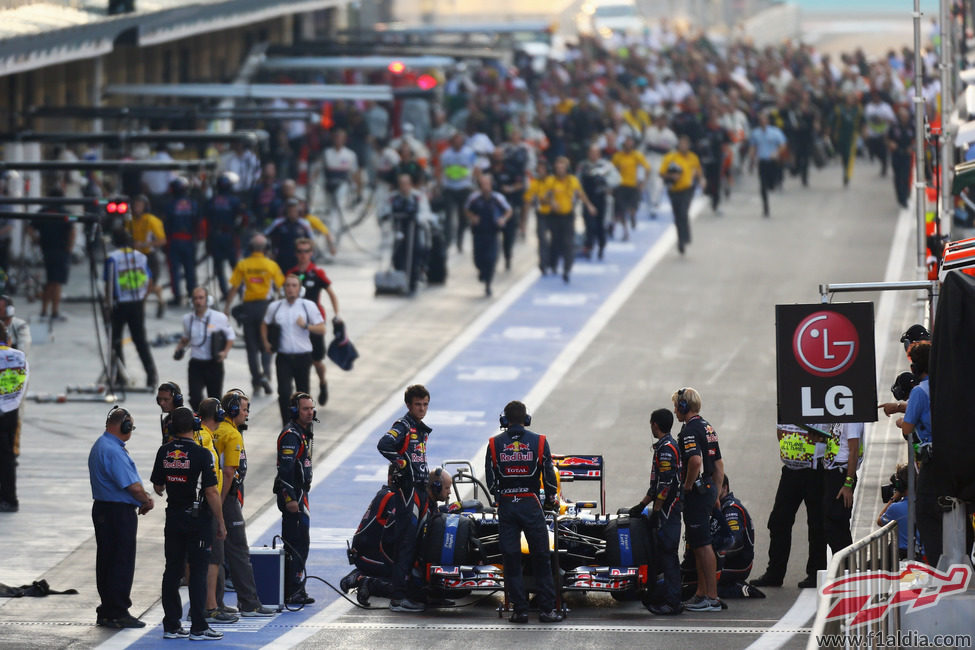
[
  {"x": 176, "y": 459},
  {"x": 517, "y": 452}
]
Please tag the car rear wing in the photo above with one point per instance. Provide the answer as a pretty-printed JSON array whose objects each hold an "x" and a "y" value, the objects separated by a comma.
[{"x": 582, "y": 468}]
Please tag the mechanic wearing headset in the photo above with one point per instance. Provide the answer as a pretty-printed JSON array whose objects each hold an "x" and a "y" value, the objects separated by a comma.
[
  {"x": 169, "y": 397},
  {"x": 515, "y": 459},
  {"x": 292, "y": 485},
  {"x": 234, "y": 410},
  {"x": 702, "y": 471},
  {"x": 405, "y": 444},
  {"x": 184, "y": 471},
  {"x": 373, "y": 543},
  {"x": 211, "y": 415},
  {"x": 664, "y": 495}
]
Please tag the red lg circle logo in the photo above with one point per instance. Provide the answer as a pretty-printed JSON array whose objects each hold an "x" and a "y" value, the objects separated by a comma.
[{"x": 826, "y": 343}]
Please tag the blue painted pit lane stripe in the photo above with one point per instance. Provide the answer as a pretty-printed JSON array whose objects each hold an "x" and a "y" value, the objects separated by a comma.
[{"x": 506, "y": 354}]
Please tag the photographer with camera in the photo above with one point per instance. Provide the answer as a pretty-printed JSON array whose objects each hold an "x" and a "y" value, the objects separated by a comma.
[
  {"x": 702, "y": 471},
  {"x": 209, "y": 336},
  {"x": 184, "y": 471},
  {"x": 894, "y": 496}
]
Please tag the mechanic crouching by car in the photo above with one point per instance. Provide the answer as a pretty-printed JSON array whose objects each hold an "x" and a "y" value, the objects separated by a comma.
[
  {"x": 373, "y": 549},
  {"x": 405, "y": 444},
  {"x": 515, "y": 459},
  {"x": 664, "y": 517}
]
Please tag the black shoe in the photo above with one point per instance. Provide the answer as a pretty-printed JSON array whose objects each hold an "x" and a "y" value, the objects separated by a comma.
[
  {"x": 751, "y": 591},
  {"x": 507, "y": 264},
  {"x": 6, "y": 506},
  {"x": 765, "y": 580},
  {"x": 550, "y": 617},
  {"x": 323, "y": 394},
  {"x": 266, "y": 385},
  {"x": 130, "y": 621},
  {"x": 665, "y": 610},
  {"x": 112, "y": 623},
  {"x": 299, "y": 598},
  {"x": 565, "y": 277},
  {"x": 362, "y": 592},
  {"x": 808, "y": 583},
  {"x": 518, "y": 617},
  {"x": 349, "y": 582},
  {"x": 487, "y": 290},
  {"x": 175, "y": 302}
]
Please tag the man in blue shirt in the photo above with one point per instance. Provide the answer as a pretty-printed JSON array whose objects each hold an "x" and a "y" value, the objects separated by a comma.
[
  {"x": 767, "y": 144},
  {"x": 118, "y": 492}
]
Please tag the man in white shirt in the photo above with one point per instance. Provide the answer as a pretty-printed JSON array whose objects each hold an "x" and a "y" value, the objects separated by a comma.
[
  {"x": 341, "y": 168},
  {"x": 292, "y": 319},
  {"x": 209, "y": 336},
  {"x": 842, "y": 459}
]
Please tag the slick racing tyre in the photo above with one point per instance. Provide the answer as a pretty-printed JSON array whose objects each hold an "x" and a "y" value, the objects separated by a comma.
[
  {"x": 627, "y": 545},
  {"x": 448, "y": 543}
]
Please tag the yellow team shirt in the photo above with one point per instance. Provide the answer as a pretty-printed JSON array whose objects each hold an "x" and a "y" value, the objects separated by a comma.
[
  {"x": 688, "y": 163},
  {"x": 560, "y": 192},
  {"x": 536, "y": 190},
  {"x": 638, "y": 120},
  {"x": 146, "y": 228},
  {"x": 230, "y": 446},
  {"x": 257, "y": 273},
  {"x": 627, "y": 164},
  {"x": 317, "y": 224},
  {"x": 204, "y": 437}
]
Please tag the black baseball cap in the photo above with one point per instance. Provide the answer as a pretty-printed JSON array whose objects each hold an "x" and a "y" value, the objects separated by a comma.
[{"x": 915, "y": 333}]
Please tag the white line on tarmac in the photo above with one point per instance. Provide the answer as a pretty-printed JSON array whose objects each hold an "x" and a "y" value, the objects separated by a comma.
[{"x": 805, "y": 606}]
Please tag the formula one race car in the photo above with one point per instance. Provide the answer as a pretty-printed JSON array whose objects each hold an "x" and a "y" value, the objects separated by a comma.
[{"x": 595, "y": 551}]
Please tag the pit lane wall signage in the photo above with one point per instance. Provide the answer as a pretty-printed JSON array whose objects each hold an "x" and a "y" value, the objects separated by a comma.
[{"x": 825, "y": 363}]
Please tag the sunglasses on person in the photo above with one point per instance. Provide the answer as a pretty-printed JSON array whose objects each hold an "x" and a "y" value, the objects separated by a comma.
[{"x": 302, "y": 251}]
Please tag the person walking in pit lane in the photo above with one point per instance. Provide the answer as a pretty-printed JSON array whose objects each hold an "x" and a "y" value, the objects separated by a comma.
[{"x": 515, "y": 460}]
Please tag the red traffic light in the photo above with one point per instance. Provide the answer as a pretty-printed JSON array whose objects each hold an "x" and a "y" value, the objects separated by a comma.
[
  {"x": 426, "y": 82},
  {"x": 397, "y": 67}
]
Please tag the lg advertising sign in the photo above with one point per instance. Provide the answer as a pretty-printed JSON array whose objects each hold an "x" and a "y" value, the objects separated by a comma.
[{"x": 825, "y": 363}]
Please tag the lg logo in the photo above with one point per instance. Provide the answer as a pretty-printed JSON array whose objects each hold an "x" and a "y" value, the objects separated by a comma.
[{"x": 826, "y": 344}]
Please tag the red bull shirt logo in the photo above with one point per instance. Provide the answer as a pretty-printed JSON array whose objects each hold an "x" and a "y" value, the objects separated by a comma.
[
  {"x": 176, "y": 459},
  {"x": 517, "y": 452}
]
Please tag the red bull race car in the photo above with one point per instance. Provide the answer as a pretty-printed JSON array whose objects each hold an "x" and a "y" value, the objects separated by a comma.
[{"x": 592, "y": 550}]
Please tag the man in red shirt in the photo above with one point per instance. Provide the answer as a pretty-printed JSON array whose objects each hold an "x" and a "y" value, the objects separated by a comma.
[{"x": 313, "y": 280}]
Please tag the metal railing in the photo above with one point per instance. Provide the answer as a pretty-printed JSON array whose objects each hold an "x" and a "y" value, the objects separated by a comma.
[{"x": 875, "y": 552}]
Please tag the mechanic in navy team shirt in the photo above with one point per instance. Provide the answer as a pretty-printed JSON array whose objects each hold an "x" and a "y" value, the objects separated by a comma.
[
  {"x": 702, "y": 471},
  {"x": 488, "y": 213},
  {"x": 225, "y": 213},
  {"x": 405, "y": 445},
  {"x": 284, "y": 233},
  {"x": 184, "y": 471},
  {"x": 514, "y": 461},
  {"x": 373, "y": 547},
  {"x": 664, "y": 497},
  {"x": 181, "y": 219}
]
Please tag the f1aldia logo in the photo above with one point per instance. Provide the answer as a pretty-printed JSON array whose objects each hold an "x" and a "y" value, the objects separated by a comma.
[{"x": 826, "y": 344}]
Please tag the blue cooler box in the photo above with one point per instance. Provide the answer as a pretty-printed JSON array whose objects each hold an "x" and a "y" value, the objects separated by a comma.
[{"x": 268, "y": 566}]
